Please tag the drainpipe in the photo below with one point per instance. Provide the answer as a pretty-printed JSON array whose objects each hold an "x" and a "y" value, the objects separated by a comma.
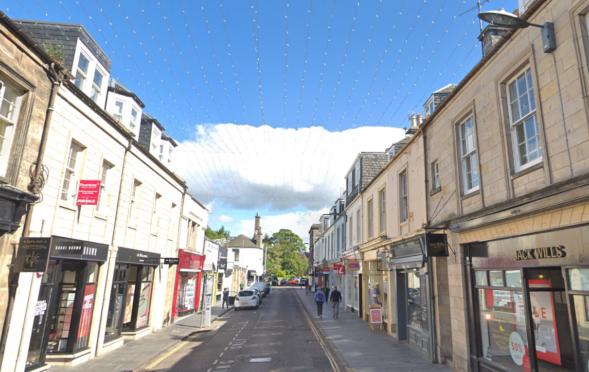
[{"x": 35, "y": 187}]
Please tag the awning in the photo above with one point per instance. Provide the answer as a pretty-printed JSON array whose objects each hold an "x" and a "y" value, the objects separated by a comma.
[{"x": 410, "y": 262}]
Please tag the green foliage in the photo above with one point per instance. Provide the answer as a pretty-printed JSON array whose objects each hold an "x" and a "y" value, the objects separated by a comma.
[
  {"x": 218, "y": 234},
  {"x": 55, "y": 50},
  {"x": 285, "y": 254}
]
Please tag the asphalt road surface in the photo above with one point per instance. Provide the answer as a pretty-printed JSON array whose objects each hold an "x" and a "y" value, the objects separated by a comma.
[{"x": 278, "y": 336}]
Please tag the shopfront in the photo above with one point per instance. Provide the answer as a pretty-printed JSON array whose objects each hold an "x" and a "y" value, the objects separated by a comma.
[
  {"x": 377, "y": 291},
  {"x": 129, "y": 307},
  {"x": 188, "y": 283},
  {"x": 529, "y": 302},
  {"x": 65, "y": 305},
  {"x": 352, "y": 285}
]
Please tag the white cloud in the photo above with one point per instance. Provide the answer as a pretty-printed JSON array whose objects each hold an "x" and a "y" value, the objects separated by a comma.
[
  {"x": 249, "y": 167},
  {"x": 225, "y": 219}
]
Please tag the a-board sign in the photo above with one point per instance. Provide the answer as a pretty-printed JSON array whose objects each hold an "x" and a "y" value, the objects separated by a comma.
[{"x": 376, "y": 316}]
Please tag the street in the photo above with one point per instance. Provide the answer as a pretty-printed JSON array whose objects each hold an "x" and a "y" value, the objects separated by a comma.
[{"x": 277, "y": 336}]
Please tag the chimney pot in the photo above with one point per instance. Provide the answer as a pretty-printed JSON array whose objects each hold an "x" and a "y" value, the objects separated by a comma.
[
  {"x": 419, "y": 120},
  {"x": 412, "y": 121}
]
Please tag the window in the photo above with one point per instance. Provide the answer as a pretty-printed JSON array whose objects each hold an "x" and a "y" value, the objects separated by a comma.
[
  {"x": 133, "y": 122},
  {"x": 391, "y": 153},
  {"x": 435, "y": 176},
  {"x": 118, "y": 114},
  {"x": 349, "y": 184},
  {"x": 470, "y": 172},
  {"x": 338, "y": 240},
  {"x": 403, "y": 197},
  {"x": 161, "y": 156},
  {"x": 358, "y": 226},
  {"x": 524, "y": 124},
  {"x": 351, "y": 229},
  {"x": 97, "y": 83},
  {"x": 82, "y": 71},
  {"x": 429, "y": 108},
  {"x": 155, "y": 222},
  {"x": 357, "y": 171},
  {"x": 68, "y": 188},
  {"x": 135, "y": 195},
  {"x": 370, "y": 219},
  {"x": 9, "y": 99},
  {"x": 236, "y": 252},
  {"x": 170, "y": 155},
  {"x": 102, "y": 204},
  {"x": 383, "y": 209}
]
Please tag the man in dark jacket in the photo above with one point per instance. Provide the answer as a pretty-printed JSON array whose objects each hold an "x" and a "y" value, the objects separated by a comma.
[
  {"x": 225, "y": 298},
  {"x": 335, "y": 298}
]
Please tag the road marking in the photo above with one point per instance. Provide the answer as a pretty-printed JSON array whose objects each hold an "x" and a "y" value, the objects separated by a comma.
[
  {"x": 215, "y": 362},
  {"x": 220, "y": 355},
  {"x": 260, "y": 360},
  {"x": 166, "y": 355},
  {"x": 225, "y": 349},
  {"x": 318, "y": 336}
]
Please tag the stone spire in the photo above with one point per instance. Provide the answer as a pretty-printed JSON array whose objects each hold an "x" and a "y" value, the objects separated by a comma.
[{"x": 258, "y": 237}]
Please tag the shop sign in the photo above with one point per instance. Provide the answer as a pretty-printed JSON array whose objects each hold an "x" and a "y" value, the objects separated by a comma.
[
  {"x": 339, "y": 269},
  {"x": 436, "y": 245},
  {"x": 32, "y": 255},
  {"x": 190, "y": 261},
  {"x": 171, "y": 261},
  {"x": 376, "y": 316},
  {"x": 78, "y": 249},
  {"x": 137, "y": 257},
  {"x": 540, "y": 253},
  {"x": 353, "y": 265},
  {"x": 88, "y": 192},
  {"x": 326, "y": 270},
  {"x": 222, "y": 258}
]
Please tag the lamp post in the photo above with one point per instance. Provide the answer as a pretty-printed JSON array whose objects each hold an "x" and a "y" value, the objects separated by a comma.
[{"x": 505, "y": 19}]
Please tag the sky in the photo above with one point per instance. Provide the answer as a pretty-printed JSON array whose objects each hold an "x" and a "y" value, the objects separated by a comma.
[{"x": 271, "y": 100}]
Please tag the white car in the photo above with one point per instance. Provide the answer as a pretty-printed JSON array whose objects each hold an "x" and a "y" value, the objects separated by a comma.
[
  {"x": 247, "y": 298},
  {"x": 261, "y": 286}
]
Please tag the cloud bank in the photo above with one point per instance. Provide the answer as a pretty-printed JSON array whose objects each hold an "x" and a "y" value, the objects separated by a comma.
[{"x": 249, "y": 167}]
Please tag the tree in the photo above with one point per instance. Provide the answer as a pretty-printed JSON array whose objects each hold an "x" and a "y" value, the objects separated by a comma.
[
  {"x": 221, "y": 233},
  {"x": 285, "y": 254}
]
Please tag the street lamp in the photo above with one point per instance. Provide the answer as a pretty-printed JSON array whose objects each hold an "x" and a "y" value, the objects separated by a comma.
[{"x": 508, "y": 20}]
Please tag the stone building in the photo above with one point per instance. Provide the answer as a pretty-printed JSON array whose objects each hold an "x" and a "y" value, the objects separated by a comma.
[{"x": 248, "y": 256}]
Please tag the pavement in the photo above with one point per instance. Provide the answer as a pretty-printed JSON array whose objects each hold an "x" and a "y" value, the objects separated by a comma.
[
  {"x": 360, "y": 349},
  {"x": 133, "y": 355}
]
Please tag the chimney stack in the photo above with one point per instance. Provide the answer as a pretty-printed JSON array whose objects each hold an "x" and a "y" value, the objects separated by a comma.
[
  {"x": 412, "y": 121},
  {"x": 413, "y": 129},
  {"x": 419, "y": 120}
]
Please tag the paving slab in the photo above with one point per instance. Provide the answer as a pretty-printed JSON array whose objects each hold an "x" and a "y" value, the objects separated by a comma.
[{"x": 362, "y": 350}]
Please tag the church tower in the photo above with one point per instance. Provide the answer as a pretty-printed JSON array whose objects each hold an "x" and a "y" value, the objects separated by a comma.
[{"x": 258, "y": 237}]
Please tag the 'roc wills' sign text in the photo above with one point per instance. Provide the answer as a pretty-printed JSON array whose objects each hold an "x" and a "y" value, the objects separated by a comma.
[{"x": 540, "y": 253}]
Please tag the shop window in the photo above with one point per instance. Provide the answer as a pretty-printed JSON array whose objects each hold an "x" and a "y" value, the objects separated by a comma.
[
  {"x": 144, "y": 297},
  {"x": 117, "y": 300},
  {"x": 415, "y": 300},
  {"x": 513, "y": 278},
  {"x": 496, "y": 277},
  {"x": 579, "y": 279},
  {"x": 481, "y": 278},
  {"x": 129, "y": 299},
  {"x": 138, "y": 300}
]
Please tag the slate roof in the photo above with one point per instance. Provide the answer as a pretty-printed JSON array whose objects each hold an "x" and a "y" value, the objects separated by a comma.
[
  {"x": 165, "y": 137},
  {"x": 371, "y": 165},
  {"x": 65, "y": 34},
  {"x": 116, "y": 86},
  {"x": 148, "y": 118},
  {"x": 242, "y": 241},
  {"x": 447, "y": 89}
]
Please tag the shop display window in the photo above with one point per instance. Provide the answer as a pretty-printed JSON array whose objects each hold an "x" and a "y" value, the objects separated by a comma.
[
  {"x": 414, "y": 300},
  {"x": 143, "y": 307},
  {"x": 186, "y": 300},
  {"x": 138, "y": 298},
  {"x": 117, "y": 300}
]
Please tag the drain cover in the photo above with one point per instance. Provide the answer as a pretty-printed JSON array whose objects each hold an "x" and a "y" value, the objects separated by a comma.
[{"x": 260, "y": 360}]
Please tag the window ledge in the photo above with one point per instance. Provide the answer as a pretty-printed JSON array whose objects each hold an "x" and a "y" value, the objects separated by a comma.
[
  {"x": 63, "y": 205},
  {"x": 470, "y": 194},
  {"x": 99, "y": 216},
  {"x": 529, "y": 169},
  {"x": 406, "y": 222},
  {"x": 435, "y": 191}
]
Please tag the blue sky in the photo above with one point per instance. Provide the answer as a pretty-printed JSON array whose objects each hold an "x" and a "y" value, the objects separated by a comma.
[{"x": 271, "y": 100}]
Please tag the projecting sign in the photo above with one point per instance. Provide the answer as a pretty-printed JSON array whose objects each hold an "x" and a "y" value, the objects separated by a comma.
[
  {"x": 32, "y": 255},
  {"x": 326, "y": 270},
  {"x": 171, "y": 261},
  {"x": 88, "y": 192},
  {"x": 340, "y": 269}
]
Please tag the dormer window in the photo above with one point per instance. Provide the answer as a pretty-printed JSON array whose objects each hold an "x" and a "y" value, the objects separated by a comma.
[
  {"x": 391, "y": 153},
  {"x": 82, "y": 71},
  {"x": 118, "y": 114},
  {"x": 96, "y": 86},
  {"x": 134, "y": 118},
  {"x": 429, "y": 108},
  {"x": 161, "y": 157}
]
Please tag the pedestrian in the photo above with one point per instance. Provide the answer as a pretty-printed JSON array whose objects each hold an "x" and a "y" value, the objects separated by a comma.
[
  {"x": 301, "y": 283},
  {"x": 307, "y": 287},
  {"x": 326, "y": 293},
  {"x": 241, "y": 285},
  {"x": 319, "y": 300},
  {"x": 336, "y": 298},
  {"x": 225, "y": 298}
]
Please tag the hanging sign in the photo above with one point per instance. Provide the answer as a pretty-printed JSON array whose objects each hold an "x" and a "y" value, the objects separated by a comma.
[
  {"x": 171, "y": 261},
  {"x": 339, "y": 269},
  {"x": 353, "y": 265},
  {"x": 326, "y": 270},
  {"x": 88, "y": 192},
  {"x": 32, "y": 255}
]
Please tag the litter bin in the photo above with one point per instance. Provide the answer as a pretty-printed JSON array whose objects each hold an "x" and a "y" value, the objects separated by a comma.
[{"x": 232, "y": 296}]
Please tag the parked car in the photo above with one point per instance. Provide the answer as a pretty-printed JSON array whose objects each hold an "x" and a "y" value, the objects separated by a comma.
[
  {"x": 261, "y": 287},
  {"x": 284, "y": 282},
  {"x": 303, "y": 281},
  {"x": 258, "y": 293},
  {"x": 246, "y": 298},
  {"x": 293, "y": 281}
]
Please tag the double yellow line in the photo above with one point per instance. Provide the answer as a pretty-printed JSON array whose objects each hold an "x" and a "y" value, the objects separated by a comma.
[{"x": 324, "y": 346}]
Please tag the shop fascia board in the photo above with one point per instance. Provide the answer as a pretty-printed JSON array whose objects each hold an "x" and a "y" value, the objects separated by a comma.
[
  {"x": 551, "y": 199},
  {"x": 389, "y": 241}
]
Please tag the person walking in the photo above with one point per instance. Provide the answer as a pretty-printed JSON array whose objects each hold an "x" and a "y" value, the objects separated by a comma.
[
  {"x": 326, "y": 293},
  {"x": 241, "y": 285},
  {"x": 319, "y": 300},
  {"x": 336, "y": 298},
  {"x": 307, "y": 287},
  {"x": 225, "y": 298}
]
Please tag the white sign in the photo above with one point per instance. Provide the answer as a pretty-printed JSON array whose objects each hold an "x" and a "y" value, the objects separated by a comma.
[
  {"x": 40, "y": 308},
  {"x": 516, "y": 348}
]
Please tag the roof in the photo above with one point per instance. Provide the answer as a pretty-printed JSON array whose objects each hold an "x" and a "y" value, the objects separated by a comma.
[
  {"x": 242, "y": 241},
  {"x": 146, "y": 117},
  {"x": 66, "y": 35},
  {"x": 165, "y": 137},
  {"x": 447, "y": 89},
  {"x": 116, "y": 86}
]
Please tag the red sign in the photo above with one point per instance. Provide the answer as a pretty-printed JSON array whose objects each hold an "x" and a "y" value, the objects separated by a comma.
[
  {"x": 326, "y": 270},
  {"x": 375, "y": 316},
  {"x": 88, "y": 192},
  {"x": 190, "y": 261},
  {"x": 87, "y": 307},
  {"x": 340, "y": 269}
]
